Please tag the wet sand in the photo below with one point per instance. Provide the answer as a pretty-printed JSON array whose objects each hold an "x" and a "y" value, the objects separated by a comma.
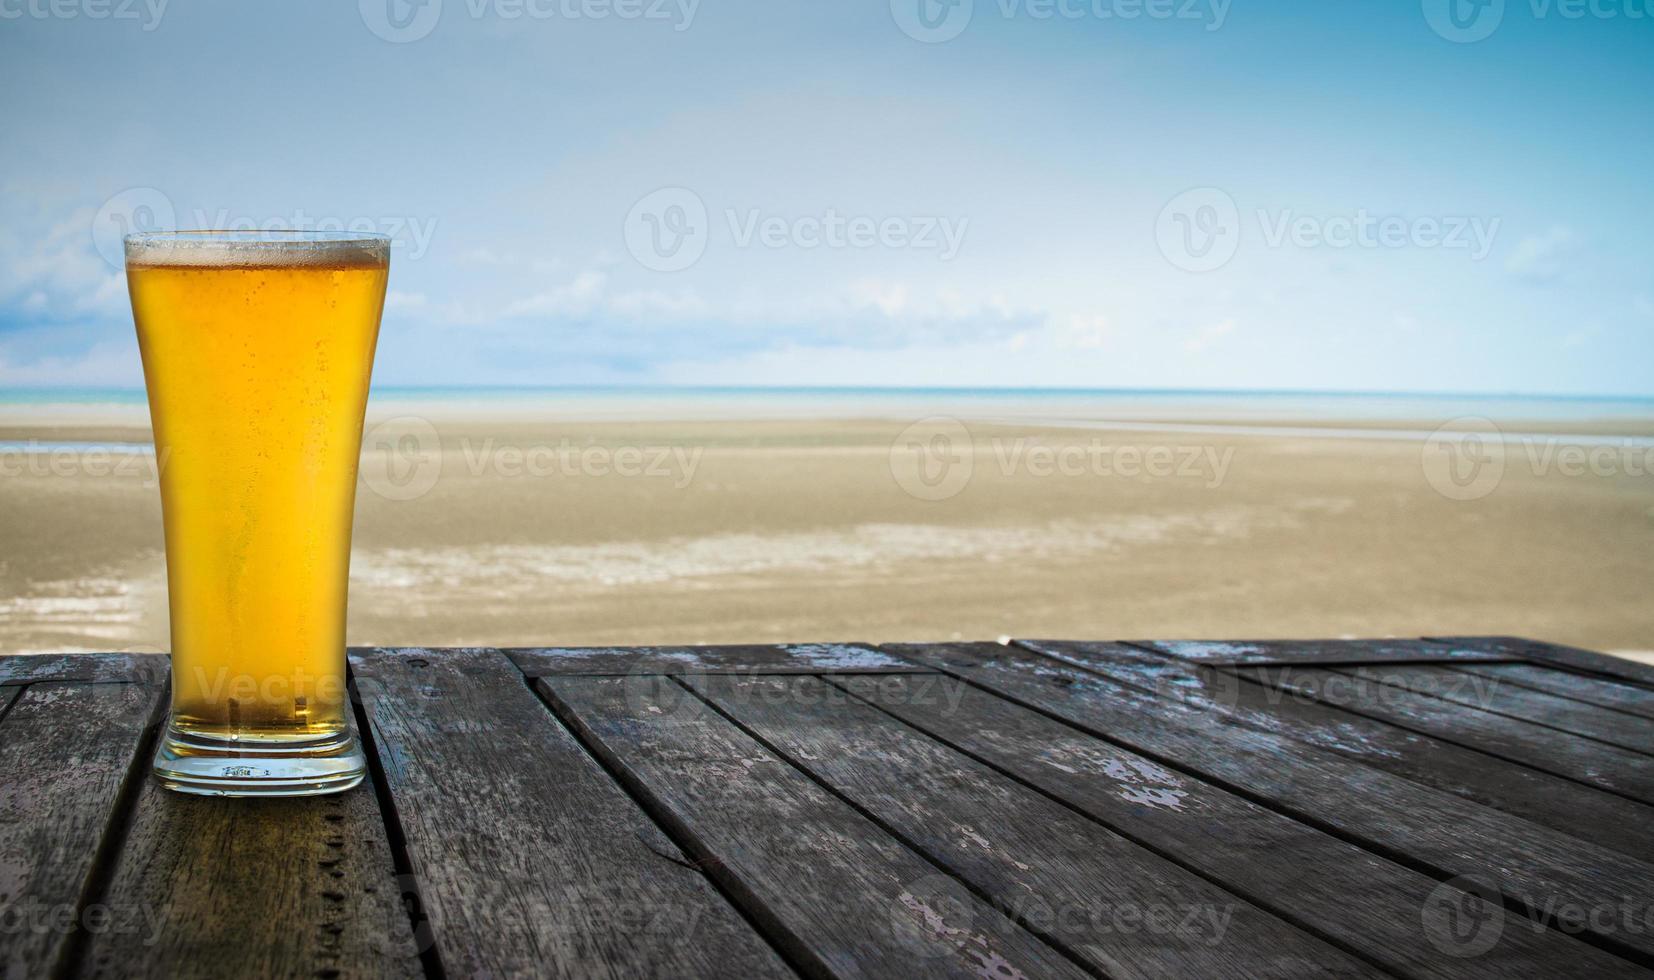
[{"x": 518, "y": 531}]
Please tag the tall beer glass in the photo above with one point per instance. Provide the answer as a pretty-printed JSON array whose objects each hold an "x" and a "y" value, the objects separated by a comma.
[{"x": 257, "y": 349}]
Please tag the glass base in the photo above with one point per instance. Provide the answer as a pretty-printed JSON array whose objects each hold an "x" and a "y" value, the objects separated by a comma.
[{"x": 210, "y": 766}]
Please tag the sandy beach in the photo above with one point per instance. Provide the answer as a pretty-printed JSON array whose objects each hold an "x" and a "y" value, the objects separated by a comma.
[{"x": 496, "y": 525}]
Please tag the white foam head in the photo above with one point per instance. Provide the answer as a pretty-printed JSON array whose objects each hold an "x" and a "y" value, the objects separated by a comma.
[{"x": 327, "y": 249}]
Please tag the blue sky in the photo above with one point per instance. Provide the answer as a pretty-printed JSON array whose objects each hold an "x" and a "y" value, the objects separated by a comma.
[{"x": 1112, "y": 193}]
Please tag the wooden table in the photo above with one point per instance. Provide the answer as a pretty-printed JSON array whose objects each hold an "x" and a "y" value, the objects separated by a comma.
[{"x": 1451, "y": 807}]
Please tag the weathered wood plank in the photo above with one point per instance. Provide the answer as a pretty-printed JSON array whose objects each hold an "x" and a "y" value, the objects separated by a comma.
[
  {"x": 1546, "y": 872},
  {"x": 1524, "y": 704},
  {"x": 1599, "y": 691},
  {"x": 68, "y": 753},
  {"x": 795, "y": 658},
  {"x": 529, "y": 860},
  {"x": 1392, "y": 915},
  {"x": 141, "y": 668},
  {"x": 1271, "y": 652},
  {"x": 1517, "y": 648},
  {"x": 1560, "y": 804},
  {"x": 219, "y": 887},
  {"x": 1109, "y": 902},
  {"x": 1628, "y": 774},
  {"x": 842, "y": 895}
]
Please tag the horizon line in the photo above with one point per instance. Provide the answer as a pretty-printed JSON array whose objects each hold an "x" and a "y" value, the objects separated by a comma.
[{"x": 940, "y": 389}]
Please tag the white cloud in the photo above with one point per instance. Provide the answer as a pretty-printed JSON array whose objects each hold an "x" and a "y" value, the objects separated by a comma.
[
  {"x": 399, "y": 301},
  {"x": 106, "y": 363},
  {"x": 1206, "y": 336},
  {"x": 576, "y": 298},
  {"x": 1541, "y": 258},
  {"x": 1087, "y": 332}
]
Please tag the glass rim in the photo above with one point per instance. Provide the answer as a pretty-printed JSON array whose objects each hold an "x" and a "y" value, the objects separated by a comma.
[{"x": 257, "y": 236}]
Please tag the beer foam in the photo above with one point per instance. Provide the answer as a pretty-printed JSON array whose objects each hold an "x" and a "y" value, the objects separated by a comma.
[{"x": 214, "y": 249}]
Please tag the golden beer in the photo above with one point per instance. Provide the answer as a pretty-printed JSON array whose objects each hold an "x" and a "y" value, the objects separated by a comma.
[{"x": 257, "y": 350}]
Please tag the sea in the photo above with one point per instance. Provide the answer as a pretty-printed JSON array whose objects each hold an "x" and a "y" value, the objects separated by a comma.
[{"x": 1308, "y": 414}]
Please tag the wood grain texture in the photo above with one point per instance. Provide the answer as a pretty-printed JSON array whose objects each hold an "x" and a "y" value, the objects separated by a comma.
[
  {"x": 529, "y": 859},
  {"x": 1538, "y": 868},
  {"x": 841, "y": 895},
  {"x": 1616, "y": 770},
  {"x": 1601, "y": 692},
  {"x": 796, "y": 658},
  {"x": 218, "y": 887},
  {"x": 1483, "y": 693},
  {"x": 1394, "y": 916},
  {"x": 142, "y": 668},
  {"x": 1116, "y": 905},
  {"x": 68, "y": 752},
  {"x": 1588, "y": 661},
  {"x": 1516, "y": 789},
  {"x": 1262, "y": 652}
]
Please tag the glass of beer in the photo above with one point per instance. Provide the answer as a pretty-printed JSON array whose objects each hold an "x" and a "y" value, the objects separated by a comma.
[{"x": 257, "y": 350}]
